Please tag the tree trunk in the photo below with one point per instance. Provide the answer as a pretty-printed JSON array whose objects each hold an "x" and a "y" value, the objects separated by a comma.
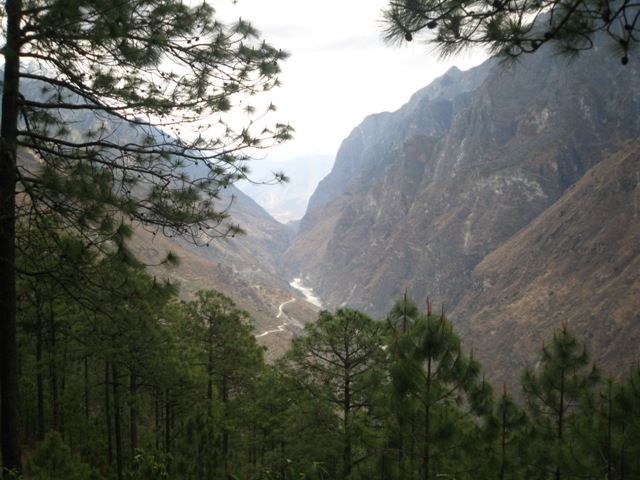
[
  {"x": 133, "y": 413},
  {"x": 283, "y": 461},
  {"x": 8, "y": 343},
  {"x": 210, "y": 369},
  {"x": 225, "y": 430},
  {"x": 426, "y": 474},
  {"x": 346, "y": 412},
  {"x": 167, "y": 423},
  {"x": 622, "y": 452},
  {"x": 253, "y": 452},
  {"x": 53, "y": 372},
  {"x": 412, "y": 449},
  {"x": 401, "y": 463},
  {"x": 503, "y": 443},
  {"x": 609, "y": 433},
  {"x": 86, "y": 387},
  {"x": 117, "y": 423},
  {"x": 63, "y": 383},
  {"x": 39, "y": 377},
  {"x": 157, "y": 420},
  {"x": 107, "y": 414},
  {"x": 560, "y": 426}
]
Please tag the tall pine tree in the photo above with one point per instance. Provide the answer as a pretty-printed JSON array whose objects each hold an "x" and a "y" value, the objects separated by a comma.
[
  {"x": 554, "y": 391},
  {"x": 336, "y": 360},
  {"x": 120, "y": 69},
  {"x": 430, "y": 367}
]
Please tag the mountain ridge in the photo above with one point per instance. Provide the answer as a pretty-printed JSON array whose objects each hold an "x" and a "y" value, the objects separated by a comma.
[{"x": 419, "y": 197}]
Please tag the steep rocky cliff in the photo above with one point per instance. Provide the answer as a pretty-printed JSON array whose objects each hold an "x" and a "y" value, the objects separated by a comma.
[
  {"x": 578, "y": 262},
  {"x": 417, "y": 198}
]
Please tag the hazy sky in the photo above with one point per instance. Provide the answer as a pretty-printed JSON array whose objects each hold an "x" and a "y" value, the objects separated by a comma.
[{"x": 340, "y": 70}]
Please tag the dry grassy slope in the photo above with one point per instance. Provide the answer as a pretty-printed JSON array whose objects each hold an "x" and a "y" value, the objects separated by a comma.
[
  {"x": 255, "y": 253},
  {"x": 197, "y": 271},
  {"x": 579, "y": 262},
  {"x": 244, "y": 268}
]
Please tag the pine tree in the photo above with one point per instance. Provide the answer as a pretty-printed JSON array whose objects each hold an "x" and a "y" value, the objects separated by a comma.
[
  {"x": 626, "y": 422},
  {"x": 512, "y": 427},
  {"x": 554, "y": 392},
  {"x": 78, "y": 314},
  {"x": 512, "y": 28},
  {"x": 336, "y": 359},
  {"x": 294, "y": 430},
  {"x": 430, "y": 367},
  {"x": 606, "y": 433},
  {"x": 402, "y": 408},
  {"x": 231, "y": 359},
  {"x": 60, "y": 264},
  {"x": 120, "y": 69}
]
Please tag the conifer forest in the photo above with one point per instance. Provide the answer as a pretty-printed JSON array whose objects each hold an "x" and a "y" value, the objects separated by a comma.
[{"x": 154, "y": 387}]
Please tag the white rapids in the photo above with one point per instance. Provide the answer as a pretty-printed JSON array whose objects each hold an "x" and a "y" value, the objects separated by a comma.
[{"x": 307, "y": 292}]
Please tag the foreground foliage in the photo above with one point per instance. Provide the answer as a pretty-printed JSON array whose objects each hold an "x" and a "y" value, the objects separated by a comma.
[
  {"x": 121, "y": 380},
  {"x": 514, "y": 27},
  {"x": 115, "y": 110}
]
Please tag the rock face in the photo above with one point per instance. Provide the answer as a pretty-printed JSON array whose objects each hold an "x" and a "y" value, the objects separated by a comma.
[
  {"x": 427, "y": 198},
  {"x": 578, "y": 262}
]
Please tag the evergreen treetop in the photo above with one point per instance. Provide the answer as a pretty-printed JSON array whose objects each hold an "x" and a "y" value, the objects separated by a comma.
[{"x": 513, "y": 27}]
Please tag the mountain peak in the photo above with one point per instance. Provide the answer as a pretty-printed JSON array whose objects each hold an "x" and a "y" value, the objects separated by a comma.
[
  {"x": 419, "y": 198},
  {"x": 453, "y": 71}
]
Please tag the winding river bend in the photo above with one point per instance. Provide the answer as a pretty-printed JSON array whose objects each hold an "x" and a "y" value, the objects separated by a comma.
[{"x": 307, "y": 292}]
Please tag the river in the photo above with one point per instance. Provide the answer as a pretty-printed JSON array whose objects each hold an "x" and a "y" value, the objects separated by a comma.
[{"x": 306, "y": 291}]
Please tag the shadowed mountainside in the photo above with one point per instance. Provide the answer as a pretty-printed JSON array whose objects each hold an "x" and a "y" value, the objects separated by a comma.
[
  {"x": 445, "y": 196},
  {"x": 244, "y": 267}
]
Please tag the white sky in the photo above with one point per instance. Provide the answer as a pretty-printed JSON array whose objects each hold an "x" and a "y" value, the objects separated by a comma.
[{"x": 340, "y": 70}]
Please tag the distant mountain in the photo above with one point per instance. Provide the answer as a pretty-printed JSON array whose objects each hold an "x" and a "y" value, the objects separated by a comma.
[
  {"x": 363, "y": 155},
  {"x": 288, "y": 201},
  {"x": 421, "y": 198}
]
